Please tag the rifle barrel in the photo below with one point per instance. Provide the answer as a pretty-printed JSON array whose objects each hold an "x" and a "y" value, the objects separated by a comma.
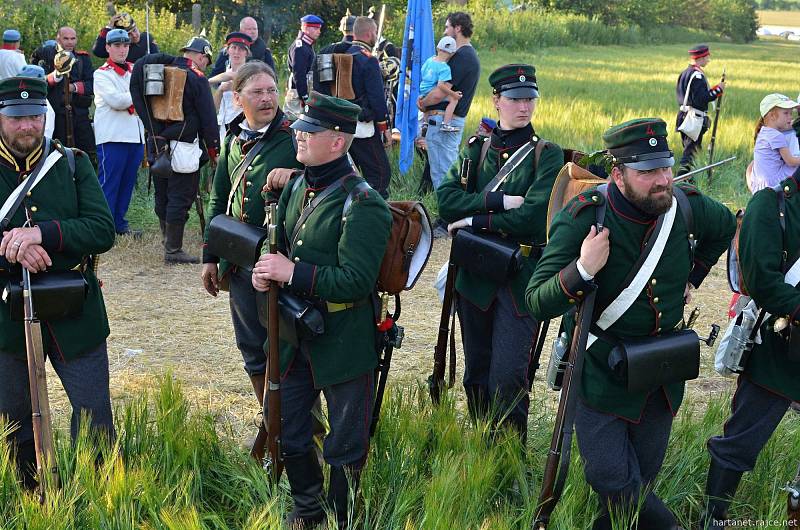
[
  {"x": 685, "y": 176},
  {"x": 273, "y": 383}
]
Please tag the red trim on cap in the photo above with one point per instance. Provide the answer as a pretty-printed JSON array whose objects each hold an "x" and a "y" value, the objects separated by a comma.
[
  {"x": 312, "y": 24},
  {"x": 238, "y": 40},
  {"x": 695, "y": 54}
]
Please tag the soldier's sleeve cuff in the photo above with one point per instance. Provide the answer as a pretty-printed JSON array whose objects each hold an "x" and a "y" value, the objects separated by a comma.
[
  {"x": 52, "y": 238},
  {"x": 104, "y": 31},
  {"x": 493, "y": 201},
  {"x": 482, "y": 222},
  {"x": 698, "y": 274},
  {"x": 303, "y": 278},
  {"x": 207, "y": 256},
  {"x": 382, "y": 126},
  {"x": 80, "y": 88},
  {"x": 572, "y": 283}
]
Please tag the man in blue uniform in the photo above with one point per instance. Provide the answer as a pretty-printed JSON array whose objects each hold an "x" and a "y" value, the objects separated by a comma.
[
  {"x": 700, "y": 95},
  {"x": 175, "y": 195},
  {"x": 65, "y": 64},
  {"x": 300, "y": 59},
  {"x": 373, "y": 121}
]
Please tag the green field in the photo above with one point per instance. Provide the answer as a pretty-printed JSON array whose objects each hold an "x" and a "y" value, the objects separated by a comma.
[{"x": 178, "y": 465}]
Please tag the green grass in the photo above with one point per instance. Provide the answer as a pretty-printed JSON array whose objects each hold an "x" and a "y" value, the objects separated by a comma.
[{"x": 428, "y": 468}]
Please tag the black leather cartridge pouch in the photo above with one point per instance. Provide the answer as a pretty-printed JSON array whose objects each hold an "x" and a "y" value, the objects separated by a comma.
[
  {"x": 645, "y": 364},
  {"x": 488, "y": 256},
  {"x": 56, "y": 295},
  {"x": 235, "y": 241}
]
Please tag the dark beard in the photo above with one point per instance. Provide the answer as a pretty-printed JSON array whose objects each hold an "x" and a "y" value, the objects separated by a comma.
[
  {"x": 22, "y": 146},
  {"x": 648, "y": 204}
]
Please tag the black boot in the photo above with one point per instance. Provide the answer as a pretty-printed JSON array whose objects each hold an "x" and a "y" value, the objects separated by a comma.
[
  {"x": 173, "y": 251},
  {"x": 342, "y": 492},
  {"x": 26, "y": 465},
  {"x": 655, "y": 516},
  {"x": 721, "y": 486},
  {"x": 305, "y": 482}
]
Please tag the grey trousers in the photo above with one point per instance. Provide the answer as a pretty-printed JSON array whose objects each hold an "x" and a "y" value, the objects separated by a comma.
[
  {"x": 349, "y": 415},
  {"x": 756, "y": 413},
  {"x": 250, "y": 334},
  {"x": 85, "y": 380},
  {"x": 497, "y": 349},
  {"x": 622, "y": 458}
]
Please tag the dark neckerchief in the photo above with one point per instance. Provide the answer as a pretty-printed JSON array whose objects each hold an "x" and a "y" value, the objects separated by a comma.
[
  {"x": 318, "y": 177},
  {"x": 509, "y": 139},
  {"x": 624, "y": 207},
  {"x": 246, "y": 137}
]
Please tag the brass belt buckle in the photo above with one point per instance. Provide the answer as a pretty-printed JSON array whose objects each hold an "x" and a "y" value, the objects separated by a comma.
[{"x": 525, "y": 250}]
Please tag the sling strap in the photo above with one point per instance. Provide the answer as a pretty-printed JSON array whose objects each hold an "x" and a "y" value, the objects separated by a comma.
[
  {"x": 14, "y": 200},
  {"x": 312, "y": 205},
  {"x": 245, "y": 162}
]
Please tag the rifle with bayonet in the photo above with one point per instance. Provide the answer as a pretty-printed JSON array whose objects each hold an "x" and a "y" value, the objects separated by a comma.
[
  {"x": 381, "y": 21},
  {"x": 713, "y": 141},
  {"x": 447, "y": 320},
  {"x": 686, "y": 176},
  {"x": 269, "y": 435},
  {"x": 46, "y": 468}
]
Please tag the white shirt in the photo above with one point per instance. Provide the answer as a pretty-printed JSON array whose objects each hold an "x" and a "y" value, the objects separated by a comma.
[
  {"x": 11, "y": 62},
  {"x": 113, "y": 121}
]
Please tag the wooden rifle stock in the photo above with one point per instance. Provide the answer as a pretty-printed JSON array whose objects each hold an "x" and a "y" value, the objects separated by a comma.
[
  {"x": 557, "y": 466},
  {"x": 436, "y": 379},
  {"x": 272, "y": 384},
  {"x": 713, "y": 140},
  {"x": 46, "y": 466},
  {"x": 68, "y": 122}
]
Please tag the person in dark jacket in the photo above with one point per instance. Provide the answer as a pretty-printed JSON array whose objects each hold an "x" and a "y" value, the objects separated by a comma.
[
  {"x": 258, "y": 48},
  {"x": 176, "y": 194},
  {"x": 300, "y": 59},
  {"x": 142, "y": 43},
  {"x": 694, "y": 80},
  {"x": 64, "y": 64}
]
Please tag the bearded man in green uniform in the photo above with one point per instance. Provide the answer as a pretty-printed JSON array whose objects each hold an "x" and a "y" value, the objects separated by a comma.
[
  {"x": 330, "y": 253},
  {"x": 69, "y": 222},
  {"x": 497, "y": 330},
  {"x": 241, "y": 192},
  {"x": 768, "y": 255},
  {"x": 623, "y": 434}
]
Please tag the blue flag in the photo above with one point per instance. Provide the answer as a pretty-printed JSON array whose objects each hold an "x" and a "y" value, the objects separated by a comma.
[{"x": 418, "y": 45}]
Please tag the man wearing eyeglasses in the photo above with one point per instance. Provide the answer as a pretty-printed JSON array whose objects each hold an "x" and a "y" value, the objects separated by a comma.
[
  {"x": 241, "y": 192},
  {"x": 329, "y": 254}
]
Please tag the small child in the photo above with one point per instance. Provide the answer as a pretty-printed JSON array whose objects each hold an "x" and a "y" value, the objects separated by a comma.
[
  {"x": 773, "y": 159},
  {"x": 435, "y": 79}
]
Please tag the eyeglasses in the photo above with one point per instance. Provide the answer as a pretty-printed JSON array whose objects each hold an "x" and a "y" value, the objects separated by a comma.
[
  {"x": 305, "y": 135},
  {"x": 258, "y": 94}
]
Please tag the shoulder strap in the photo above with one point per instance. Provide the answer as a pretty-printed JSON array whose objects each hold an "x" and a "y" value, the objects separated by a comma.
[
  {"x": 70, "y": 161},
  {"x": 241, "y": 169},
  {"x": 361, "y": 187},
  {"x": 688, "y": 216},
  {"x": 309, "y": 209},
  {"x": 600, "y": 211},
  {"x": 11, "y": 206},
  {"x": 512, "y": 163}
]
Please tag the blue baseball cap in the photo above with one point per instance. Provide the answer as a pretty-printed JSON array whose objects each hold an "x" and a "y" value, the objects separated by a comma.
[
  {"x": 312, "y": 20},
  {"x": 11, "y": 35},
  {"x": 117, "y": 35}
]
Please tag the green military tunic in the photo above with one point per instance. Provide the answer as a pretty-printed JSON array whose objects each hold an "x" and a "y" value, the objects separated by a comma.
[
  {"x": 337, "y": 258},
  {"x": 761, "y": 247},
  {"x": 557, "y": 286},
  {"x": 525, "y": 225},
  {"x": 247, "y": 204},
  {"x": 75, "y": 222}
]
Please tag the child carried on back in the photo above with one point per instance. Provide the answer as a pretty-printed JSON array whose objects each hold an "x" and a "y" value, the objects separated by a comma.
[{"x": 435, "y": 79}]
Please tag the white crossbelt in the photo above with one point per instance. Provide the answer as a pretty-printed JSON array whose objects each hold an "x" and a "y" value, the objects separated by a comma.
[
  {"x": 628, "y": 296},
  {"x": 49, "y": 162}
]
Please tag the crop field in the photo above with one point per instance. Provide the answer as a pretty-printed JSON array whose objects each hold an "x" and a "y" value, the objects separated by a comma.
[{"x": 185, "y": 407}]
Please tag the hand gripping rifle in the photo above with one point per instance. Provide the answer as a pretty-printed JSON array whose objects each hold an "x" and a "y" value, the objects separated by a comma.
[
  {"x": 272, "y": 387},
  {"x": 46, "y": 468},
  {"x": 713, "y": 140},
  {"x": 558, "y": 459}
]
